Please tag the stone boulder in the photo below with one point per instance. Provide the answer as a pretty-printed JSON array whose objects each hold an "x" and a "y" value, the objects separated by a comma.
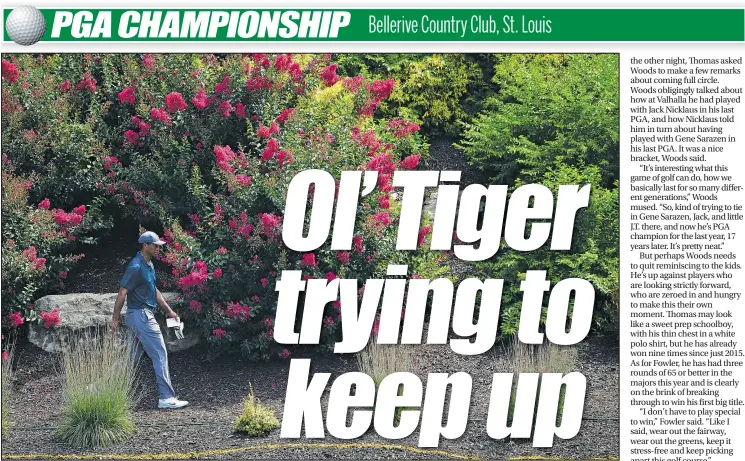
[{"x": 83, "y": 313}]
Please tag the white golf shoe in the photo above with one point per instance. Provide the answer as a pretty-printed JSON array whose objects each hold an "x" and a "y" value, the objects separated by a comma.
[{"x": 172, "y": 403}]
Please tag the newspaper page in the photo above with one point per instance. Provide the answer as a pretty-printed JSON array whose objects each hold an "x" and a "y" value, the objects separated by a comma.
[{"x": 419, "y": 231}]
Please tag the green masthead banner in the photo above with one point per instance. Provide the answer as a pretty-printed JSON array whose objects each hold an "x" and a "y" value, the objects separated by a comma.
[{"x": 394, "y": 25}]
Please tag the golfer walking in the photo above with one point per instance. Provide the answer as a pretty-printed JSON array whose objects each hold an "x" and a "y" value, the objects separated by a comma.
[{"x": 138, "y": 288}]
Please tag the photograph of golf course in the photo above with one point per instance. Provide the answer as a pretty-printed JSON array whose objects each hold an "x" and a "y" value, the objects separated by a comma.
[{"x": 200, "y": 149}]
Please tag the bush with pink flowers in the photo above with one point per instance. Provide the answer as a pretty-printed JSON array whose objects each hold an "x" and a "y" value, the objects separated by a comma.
[
  {"x": 227, "y": 255},
  {"x": 203, "y": 147},
  {"x": 36, "y": 256},
  {"x": 54, "y": 131}
]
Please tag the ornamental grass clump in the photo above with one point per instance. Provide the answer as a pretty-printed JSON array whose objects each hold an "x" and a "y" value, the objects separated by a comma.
[
  {"x": 380, "y": 360},
  {"x": 256, "y": 419},
  {"x": 7, "y": 383},
  {"x": 539, "y": 358},
  {"x": 98, "y": 386}
]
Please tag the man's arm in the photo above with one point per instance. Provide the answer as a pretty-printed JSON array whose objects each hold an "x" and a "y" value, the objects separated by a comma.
[
  {"x": 163, "y": 304},
  {"x": 118, "y": 304}
]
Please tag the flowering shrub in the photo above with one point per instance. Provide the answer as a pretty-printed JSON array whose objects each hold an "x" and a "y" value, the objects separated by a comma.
[
  {"x": 205, "y": 148},
  {"x": 227, "y": 256},
  {"x": 35, "y": 248},
  {"x": 10, "y": 71},
  {"x": 441, "y": 90},
  {"x": 54, "y": 122},
  {"x": 50, "y": 318},
  {"x": 212, "y": 142}
]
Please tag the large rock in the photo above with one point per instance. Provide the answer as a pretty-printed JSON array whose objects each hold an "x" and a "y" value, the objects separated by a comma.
[{"x": 83, "y": 313}]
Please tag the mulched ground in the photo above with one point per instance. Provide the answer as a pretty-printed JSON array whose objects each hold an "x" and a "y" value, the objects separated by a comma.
[{"x": 215, "y": 389}]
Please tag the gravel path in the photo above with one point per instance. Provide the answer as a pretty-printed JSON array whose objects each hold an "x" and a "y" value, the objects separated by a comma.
[{"x": 443, "y": 156}]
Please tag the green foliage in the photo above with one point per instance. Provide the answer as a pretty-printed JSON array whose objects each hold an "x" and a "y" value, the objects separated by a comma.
[
  {"x": 550, "y": 109},
  {"x": 429, "y": 265},
  {"x": 554, "y": 121},
  {"x": 256, "y": 419},
  {"x": 98, "y": 385},
  {"x": 422, "y": 263},
  {"x": 593, "y": 255}
]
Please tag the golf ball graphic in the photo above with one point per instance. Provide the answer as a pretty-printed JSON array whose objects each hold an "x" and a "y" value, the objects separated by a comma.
[{"x": 26, "y": 25}]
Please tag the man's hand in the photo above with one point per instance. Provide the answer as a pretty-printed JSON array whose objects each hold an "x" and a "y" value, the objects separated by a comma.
[
  {"x": 114, "y": 324},
  {"x": 171, "y": 314}
]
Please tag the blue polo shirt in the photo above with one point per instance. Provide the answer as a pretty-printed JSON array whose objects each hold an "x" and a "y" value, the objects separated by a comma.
[{"x": 139, "y": 280}]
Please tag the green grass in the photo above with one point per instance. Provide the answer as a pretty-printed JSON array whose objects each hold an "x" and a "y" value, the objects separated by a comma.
[
  {"x": 256, "y": 419},
  {"x": 98, "y": 386},
  {"x": 7, "y": 385}
]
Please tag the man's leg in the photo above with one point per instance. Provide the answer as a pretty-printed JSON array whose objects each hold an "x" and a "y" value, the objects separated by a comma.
[
  {"x": 131, "y": 341},
  {"x": 149, "y": 335},
  {"x": 135, "y": 346}
]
